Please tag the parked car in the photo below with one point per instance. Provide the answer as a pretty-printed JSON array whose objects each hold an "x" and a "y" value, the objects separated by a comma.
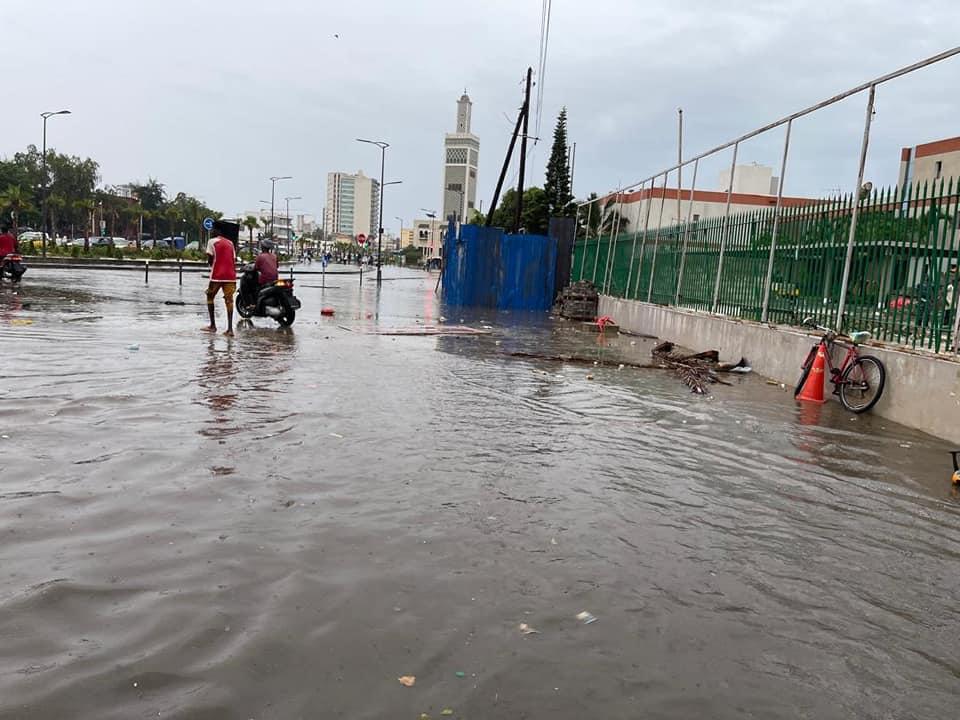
[
  {"x": 101, "y": 241},
  {"x": 162, "y": 244},
  {"x": 119, "y": 242},
  {"x": 192, "y": 245}
]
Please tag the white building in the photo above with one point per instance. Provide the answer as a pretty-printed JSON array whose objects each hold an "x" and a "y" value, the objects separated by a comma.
[
  {"x": 425, "y": 234},
  {"x": 461, "y": 153},
  {"x": 753, "y": 179},
  {"x": 754, "y": 188},
  {"x": 353, "y": 205},
  {"x": 930, "y": 162}
]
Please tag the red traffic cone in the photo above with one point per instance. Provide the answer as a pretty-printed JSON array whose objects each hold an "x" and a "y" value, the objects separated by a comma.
[{"x": 812, "y": 390}]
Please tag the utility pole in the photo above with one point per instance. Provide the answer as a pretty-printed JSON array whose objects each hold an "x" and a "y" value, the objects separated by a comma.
[{"x": 523, "y": 150}]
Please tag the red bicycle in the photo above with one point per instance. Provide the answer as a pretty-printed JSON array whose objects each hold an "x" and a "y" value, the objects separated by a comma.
[{"x": 859, "y": 379}]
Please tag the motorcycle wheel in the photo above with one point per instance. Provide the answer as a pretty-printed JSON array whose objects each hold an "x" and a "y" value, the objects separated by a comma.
[
  {"x": 288, "y": 316},
  {"x": 245, "y": 311}
]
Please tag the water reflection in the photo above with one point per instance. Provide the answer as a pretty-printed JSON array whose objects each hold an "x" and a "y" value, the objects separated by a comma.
[{"x": 216, "y": 383}]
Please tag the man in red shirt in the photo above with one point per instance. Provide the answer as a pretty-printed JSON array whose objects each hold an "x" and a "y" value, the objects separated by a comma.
[
  {"x": 223, "y": 276},
  {"x": 266, "y": 264},
  {"x": 8, "y": 243}
]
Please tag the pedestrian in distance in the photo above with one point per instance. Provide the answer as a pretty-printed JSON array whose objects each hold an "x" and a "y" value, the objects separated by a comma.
[{"x": 221, "y": 256}]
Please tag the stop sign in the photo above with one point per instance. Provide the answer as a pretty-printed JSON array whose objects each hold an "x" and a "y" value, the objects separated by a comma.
[{"x": 361, "y": 239}]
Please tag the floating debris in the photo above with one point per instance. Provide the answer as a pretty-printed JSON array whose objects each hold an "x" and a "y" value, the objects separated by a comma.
[
  {"x": 407, "y": 680},
  {"x": 527, "y": 630},
  {"x": 586, "y": 618}
]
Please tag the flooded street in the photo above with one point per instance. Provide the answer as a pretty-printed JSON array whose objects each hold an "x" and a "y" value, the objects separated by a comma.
[{"x": 280, "y": 524}]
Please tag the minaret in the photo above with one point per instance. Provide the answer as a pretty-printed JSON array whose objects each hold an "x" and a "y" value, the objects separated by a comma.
[{"x": 464, "y": 107}]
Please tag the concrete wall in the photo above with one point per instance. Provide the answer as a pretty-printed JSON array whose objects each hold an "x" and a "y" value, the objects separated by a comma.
[{"x": 922, "y": 391}]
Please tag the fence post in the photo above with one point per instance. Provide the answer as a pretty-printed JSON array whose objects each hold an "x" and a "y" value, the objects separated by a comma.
[
  {"x": 643, "y": 243},
  {"x": 686, "y": 232},
  {"x": 656, "y": 238},
  {"x": 146, "y": 271},
  {"x": 180, "y": 269},
  {"x": 586, "y": 239},
  {"x": 596, "y": 257},
  {"x": 776, "y": 227},
  {"x": 724, "y": 229},
  {"x": 633, "y": 248},
  {"x": 612, "y": 247},
  {"x": 573, "y": 247},
  {"x": 855, "y": 210}
]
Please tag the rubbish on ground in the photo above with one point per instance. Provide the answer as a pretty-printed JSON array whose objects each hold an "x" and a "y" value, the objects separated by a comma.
[
  {"x": 586, "y": 618},
  {"x": 460, "y": 673},
  {"x": 407, "y": 680},
  {"x": 741, "y": 369},
  {"x": 446, "y": 711},
  {"x": 21, "y": 321},
  {"x": 772, "y": 382},
  {"x": 133, "y": 346},
  {"x": 527, "y": 630},
  {"x": 337, "y": 435},
  {"x": 553, "y": 541},
  {"x": 696, "y": 370},
  {"x": 578, "y": 301},
  {"x": 621, "y": 366},
  {"x": 606, "y": 325},
  {"x": 424, "y": 716},
  {"x": 589, "y": 377},
  {"x": 328, "y": 311}
]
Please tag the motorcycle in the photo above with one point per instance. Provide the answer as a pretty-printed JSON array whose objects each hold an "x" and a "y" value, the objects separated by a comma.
[
  {"x": 275, "y": 300},
  {"x": 12, "y": 267}
]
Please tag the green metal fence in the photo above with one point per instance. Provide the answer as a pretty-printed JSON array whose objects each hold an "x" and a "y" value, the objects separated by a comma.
[{"x": 903, "y": 284}]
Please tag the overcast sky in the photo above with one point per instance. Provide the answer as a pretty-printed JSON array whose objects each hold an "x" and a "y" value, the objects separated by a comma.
[{"x": 214, "y": 97}]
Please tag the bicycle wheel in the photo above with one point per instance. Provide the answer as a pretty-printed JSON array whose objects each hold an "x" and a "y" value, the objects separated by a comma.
[
  {"x": 862, "y": 384},
  {"x": 805, "y": 370}
]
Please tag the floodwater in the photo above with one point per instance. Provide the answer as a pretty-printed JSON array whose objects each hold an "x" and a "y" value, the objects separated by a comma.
[{"x": 280, "y": 524}]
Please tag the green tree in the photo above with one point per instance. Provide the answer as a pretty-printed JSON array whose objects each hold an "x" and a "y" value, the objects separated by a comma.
[
  {"x": 411, "y": 255},
  {"x": 557, "y": 186},
  {"x": 534, "y": 217},
  {"x": 476, "y": 217},
  {"x": 15, "y": 201},
  {"x": 251, "y": 223}
]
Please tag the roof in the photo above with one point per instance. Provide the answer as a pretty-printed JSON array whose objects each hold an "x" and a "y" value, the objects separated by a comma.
[{"x": 716, "y": 196}]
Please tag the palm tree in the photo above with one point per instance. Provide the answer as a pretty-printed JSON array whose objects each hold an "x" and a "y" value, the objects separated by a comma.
[
  {"x": 16, "y": 201},
  {"x": 85, "y": 206},
  {"x": 250, "y": 222}
]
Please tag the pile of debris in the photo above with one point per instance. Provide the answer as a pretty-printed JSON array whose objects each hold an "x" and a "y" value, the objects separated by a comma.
[
  {"x": 578, "y": 301},
  {"x": 696, "y": 370}
]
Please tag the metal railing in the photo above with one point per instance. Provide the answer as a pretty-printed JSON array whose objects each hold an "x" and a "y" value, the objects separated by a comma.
[
  {"x": 718, "y": 231},
  {"x": 902, "y": 284}
]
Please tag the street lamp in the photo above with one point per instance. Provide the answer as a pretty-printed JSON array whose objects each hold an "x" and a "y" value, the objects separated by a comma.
[
  {"x": 43, "y": 195},
  {"x": 397, "y": 217},
  {"x": 273, "y": 184},
  {"x": 383, "y": 154},
  {"x": 290, "y": 224}
]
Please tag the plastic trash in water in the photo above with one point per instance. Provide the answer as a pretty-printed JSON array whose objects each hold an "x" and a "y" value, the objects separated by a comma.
[
  {"x": 586, "y": 618},
  {"x": 133, "y": 347},
  {"x": 527, "y": 630},
  {"x": 742, "y": 369},
  {"x": 407, "y": 680}
]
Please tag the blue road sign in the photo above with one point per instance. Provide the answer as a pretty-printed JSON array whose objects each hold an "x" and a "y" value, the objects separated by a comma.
[{"x": 208, "y": 224}]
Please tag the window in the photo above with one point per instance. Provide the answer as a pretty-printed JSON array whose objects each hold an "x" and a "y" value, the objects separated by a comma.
[
  {"x": 455, "y": 187},
  {"x": 456, "y": 156},
  {"x": 938, "y": 166},
  {"x": 473, "y": 174}
]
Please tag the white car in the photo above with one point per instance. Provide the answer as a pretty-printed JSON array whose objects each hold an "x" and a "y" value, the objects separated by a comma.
[{"x": 119, "y": 242}]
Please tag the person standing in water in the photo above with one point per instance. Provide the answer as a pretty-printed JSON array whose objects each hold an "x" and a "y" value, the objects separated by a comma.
[{"x": 221, "y": 256}]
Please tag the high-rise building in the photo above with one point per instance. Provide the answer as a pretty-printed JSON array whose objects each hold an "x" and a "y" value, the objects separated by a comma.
[
  {"x": 461, "y": 153},
  {"x": 353, "y": 204}
]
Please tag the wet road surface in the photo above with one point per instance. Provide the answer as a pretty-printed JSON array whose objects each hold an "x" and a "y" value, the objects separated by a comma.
[{"x": 281, "y": 524}]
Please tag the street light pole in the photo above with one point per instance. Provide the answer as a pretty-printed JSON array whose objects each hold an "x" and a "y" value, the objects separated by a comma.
[
  {"x": 43, "y": 194},
  {"x": 289, "y": 224},
  {"x": 383, "y": 157},
  {"x": 273, "y": 185}
]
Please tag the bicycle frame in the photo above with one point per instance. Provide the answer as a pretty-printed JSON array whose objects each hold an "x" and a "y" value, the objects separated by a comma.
[{"x": 827, "y": 342}]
